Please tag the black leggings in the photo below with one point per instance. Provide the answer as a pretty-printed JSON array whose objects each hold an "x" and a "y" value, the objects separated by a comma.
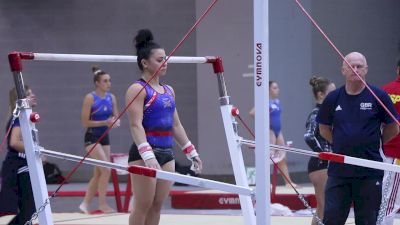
[
  {"x": 16, "y": 192},
  {"x": 316, "y": 164},
  {"x": 163, "y": 155}
]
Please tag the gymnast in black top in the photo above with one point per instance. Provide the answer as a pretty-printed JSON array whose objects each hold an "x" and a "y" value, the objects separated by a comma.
[
  {"x": 16, "y": 196},
  {"x": 317, "y": 169}
]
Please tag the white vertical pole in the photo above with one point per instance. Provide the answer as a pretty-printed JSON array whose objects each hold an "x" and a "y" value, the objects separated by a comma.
[
  {"x": 35, "y": 165},
  {"x": 239, "y": 169},
  {"x": 261, "y": 98},
  {"x": 235, "y": 150}
]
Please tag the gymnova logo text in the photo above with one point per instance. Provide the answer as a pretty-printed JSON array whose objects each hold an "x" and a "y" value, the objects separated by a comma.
[{"x": 229, "y": 200}]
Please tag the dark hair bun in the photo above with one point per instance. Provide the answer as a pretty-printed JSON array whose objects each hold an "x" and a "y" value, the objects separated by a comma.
[
  {"x": 95, "y": 68},
  {"x": 143, "y": 37},
  {"x": 314, "y": 81}
]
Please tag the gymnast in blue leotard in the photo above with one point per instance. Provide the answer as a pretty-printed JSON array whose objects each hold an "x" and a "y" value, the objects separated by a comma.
[
  {"x": 99, "y": 110},
  {"x": 275, "y": 116},
  {"x": 154, "y": 122},
  {"x": 158, "y": 119},
  {"x": 275, "y": 134}
]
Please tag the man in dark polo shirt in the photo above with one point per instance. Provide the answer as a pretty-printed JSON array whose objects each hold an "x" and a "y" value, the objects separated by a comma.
[{"x": 351, "y": 119}]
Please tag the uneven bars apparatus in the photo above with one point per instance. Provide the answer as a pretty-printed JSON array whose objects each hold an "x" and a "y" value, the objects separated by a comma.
[
  {"x": 31, "y": 143},
  {"x": 30, "y": 133}
]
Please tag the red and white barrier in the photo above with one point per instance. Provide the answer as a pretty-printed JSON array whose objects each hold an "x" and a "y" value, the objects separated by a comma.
[
  {"x": 343, "y": 159},
  {"x": 358, "y": 162},
  {"x": 159, "y": 174},
  {"x": 335, "y": 157}
]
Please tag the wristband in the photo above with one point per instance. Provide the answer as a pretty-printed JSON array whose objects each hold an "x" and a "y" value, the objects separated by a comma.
[
  {"x": 190, "y": 151},
  {"x": 146, "y": 151}
]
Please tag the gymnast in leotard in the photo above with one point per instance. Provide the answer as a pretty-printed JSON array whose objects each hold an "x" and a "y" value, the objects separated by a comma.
[{"x": 275, "y": 134}]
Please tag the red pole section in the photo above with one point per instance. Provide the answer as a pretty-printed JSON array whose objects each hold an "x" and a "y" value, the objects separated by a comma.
[
  {"x": 217, "y": 64},
  {"x": 15, "y": 59},
  {"x": 141, "y": 170},
  {"x": 331, "y": 157},
  {"x": 15, "y": 62}
]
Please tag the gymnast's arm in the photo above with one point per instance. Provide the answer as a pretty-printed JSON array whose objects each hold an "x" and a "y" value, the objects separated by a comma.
[
  {"x": 311, "y": 131},
  {"x": 183, "y": 140},
  {"x": 181, "y": 137},
  {"x": 178, "y": 130},
  {"x": 16, "y": 139},
  {"x": 135, "y": 113},
  {"x": 115, "y": 111}
]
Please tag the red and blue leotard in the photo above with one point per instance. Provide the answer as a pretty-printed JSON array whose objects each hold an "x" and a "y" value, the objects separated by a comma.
[{"x": 158, "y": 116}]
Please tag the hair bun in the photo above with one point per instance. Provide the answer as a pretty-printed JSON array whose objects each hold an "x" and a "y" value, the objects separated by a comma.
[
  {"x": 313, "y": 80},
  {"x": 96, "y": 69},
  {"x": 143, "y": 37}
]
